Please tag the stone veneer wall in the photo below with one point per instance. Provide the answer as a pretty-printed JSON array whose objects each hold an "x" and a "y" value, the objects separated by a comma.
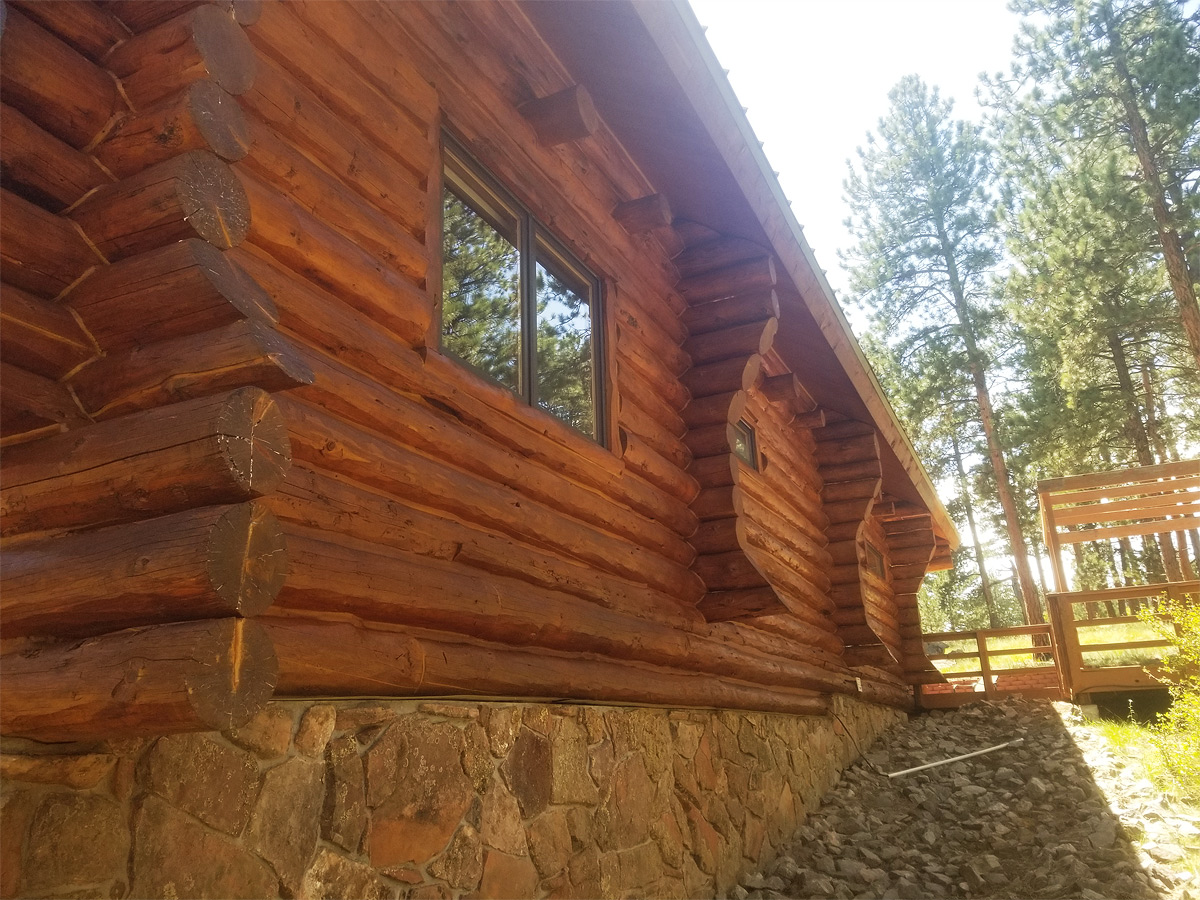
[{"x": 413, "y": 799}]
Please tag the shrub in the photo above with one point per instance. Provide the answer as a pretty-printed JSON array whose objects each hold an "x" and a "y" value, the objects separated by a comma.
[{"x": 1177, "y": 733}]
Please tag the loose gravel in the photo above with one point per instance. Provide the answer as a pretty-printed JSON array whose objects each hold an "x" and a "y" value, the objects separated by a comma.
[{"x": 1055, "y": 816}]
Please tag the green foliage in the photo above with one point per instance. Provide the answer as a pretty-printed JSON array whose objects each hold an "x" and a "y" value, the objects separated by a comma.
[{"x": 1178, "y": 733}]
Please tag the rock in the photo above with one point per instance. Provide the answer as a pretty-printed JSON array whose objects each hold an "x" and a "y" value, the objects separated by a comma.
[
  {"x": 213, "y": 782},
  {"x": 333, "y": 877},
  {"x": 549, "y": 842},
  {"x": 83, "y": 771},
  {"x": 345, "y": 815},
  {"x": 527, "y": 770},
  {"x": 461, "y": 866},
  {"x": 267, "y": 735},
  {"x": 508, "y": 877},
  {"x": 316, "y": 727},
  {"x": 500, "y": 824},
  {"x": 75, "y": 840},
  {"x": 286, "y": 820}
]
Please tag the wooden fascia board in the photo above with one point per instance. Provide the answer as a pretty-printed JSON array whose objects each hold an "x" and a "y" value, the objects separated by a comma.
[{"x": 676, "y": 32}]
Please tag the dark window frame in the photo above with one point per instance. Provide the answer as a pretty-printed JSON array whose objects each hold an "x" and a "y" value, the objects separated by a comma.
[
  {"x": 463, "y": 176},
  {"x": 751, "y": 458}
]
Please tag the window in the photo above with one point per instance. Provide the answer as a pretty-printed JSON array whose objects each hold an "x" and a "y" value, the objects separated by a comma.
[
  {"x": 516, "y": 306},
  {"x": 874, "y": 561},
  {"x": 744, "y": 444}
]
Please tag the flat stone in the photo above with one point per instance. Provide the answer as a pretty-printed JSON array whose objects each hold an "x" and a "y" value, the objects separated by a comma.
[
  {"x": 345, "y": 814},
  {"x": 316, "y": 727},
  {"x": 368, "y": 715},
  {"x": 549, "y": 842},
  {"x": 477, "y": 762},
  {"x": 167, "y": 848},
  {"x": 420, "y": 791},
  {"x": 641, "y": 868},
  {"x": 83, "y": 771},
  {"x": 75, "y": 840},
  {"x": 450, "y": 710},
  {"x": 500, "y": 824},
  {"x": 333, "y": 877},
  {"x": 461, "y": 866},
  {"x": 569, "y": 763},
  {"x": 508, "y": 877},
  {"x": 215, "y": 783},
  {"x": 267, "y": 735},
  {"x": 623, "y": 818},
  {"x": 527, "y": 770},
  {"x": 16, "y": 812},
  {"x": 286, "y": 822},
  {"x": 502, "y": 725}
]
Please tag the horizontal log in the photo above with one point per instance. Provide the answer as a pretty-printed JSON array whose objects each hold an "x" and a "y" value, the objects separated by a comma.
[
  {"x": 730, "y": 606},
  {"x": 241, "y": 354},
  {"x": 302, "y": 242},
  {"x": 141, "y": 15},
  {"x": 281, "y": 166},
  {"x": 788, "y": 627},
  {"x": 728, "y": 375},
  {"x": 731, "y": 312},
  {"x": 655, "y": 324},
  {"x": 715, "y": 503},
  {"x": 848, "y": 510},
  {"x": 836, "y": 492},
  {"x": 333, "y": 575},
  {"x": 813, "y": 419},
  {"x": 195, "y": 676},
  {"x": 715, "y": 471},
  {"x": 54, "y": 85},
  {"x": 41, "y": 252},
  {"x": 656, "y": 469},
  {"x": 877, "y": 655},
  {"x": 847, "y": 428},
  {"x": 716, "y": 253},
  {"x": 833, "y": 451},
  {"x": 643, "y": 214},
  {"x": 31, "y": 402},
  {"x": 190, "y": 195},
  {"x": 340, "y": 79},
  {"x": 202, "y": 452},
  {"x": 81, "y": 23},
  {"x": 42, "y": 336},
  {"x": 202, "y": 116},
  {"x": 799, "y": 595},
  {"x": 716, "y": 536},
  {"x": 567, "y": 115},
  {"x": 340, "y": 447},
  {"x": 318, "y": 658},
  {"x": 908, "y": 555},
  {"x": 48, "y": 170},
  {"x": 716, "y": 409},
  {"x": 787, "y": 499},
  {"x": 301, "y": 119},
  {"x": 634, "y": 418},
  {"x": 790, "y": 549},
  {"x": 661, "y": 371},
  {"x": 851, "y": 471},
  {"x": 728, "y": 571},
  {"x": 656, "y": 406},
  {"x": 203, "y": 43},
  {"x": 320, "y": 502},
  {"x": 746, "y": 277},
  {"x": 710, "y": 440},
  {"x": 740, "y": 340},
  {"x": 183, "y": 288},
  {"x": 206, "y": 563}
]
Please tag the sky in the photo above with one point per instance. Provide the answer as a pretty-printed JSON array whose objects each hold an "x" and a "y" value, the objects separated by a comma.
[{"x": 815, "y": 75}]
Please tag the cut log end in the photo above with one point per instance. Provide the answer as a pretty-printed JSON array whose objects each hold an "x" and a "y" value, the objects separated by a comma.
[
  {"x": 223, "y": 45},
  {"x": 254, "y": 441},
  {"x": 234, "y": 674},
  {"x": 247, "y": 558},
  {"x": 566, "y": 116},
  {"x": 214, "y": 200}
]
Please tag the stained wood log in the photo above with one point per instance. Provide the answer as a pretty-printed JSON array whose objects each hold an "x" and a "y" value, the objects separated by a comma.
[
  {"x": 845, "y": 450},
  {"x": 748, "y": 277},
  {"x": 751, "y": 339},
  {"x": 726, "y": 376},
  {"x": 311, "y": 187},
  {"x": 715, "y": 471},
  {"x": 715, "y": 503},
  {"x": 788, "y": 548},
  {"x": 643, "y": 214},
  {"x": 798, "y": 594},
  {"x": 30, "y": 402},
  {"x": 730, "y": 606},
  {"x": 301, "y": 119},
  {"x": 48, "y": 170},
  {"x": 353, "y": 398},
  {"x": 657, "y": 326},
  {"x": 631, "y": 383},
  {"x": 813, "y": 419},
  {"x": 716, "y": 536},
  {"x": 190, "y": 195},
  {"x": 42, "y": 336},
  {"x": 655, "y": 468},
  {"x": 849, "y": 490},
  {"x": 414, "y": 662},
  {"x": 41, "y": 252},
  {"x": 764, "y": 504},
  {"x": 204, "y": 43},
  {"x": 633, "y": 352},
  {"x": 241, "y": 354},
  {"x": 336, "y": 446},
  {"x": 711, "y": 440},
  {"x": 203, "y": 116},
  {"x": 716, "y": 409},
  {"x": 849, "y": 510},
  {"x": 731, "y": 312},
  {"x": 81, "y": 23},
  {"x": 568, "y": 115},
  {"x": 194, "y": 676},
  {"x": 173, "y": 291},
  {"x": 716, "y": 253},
  {"x": 340, "y": 81},
  {"x": 790, "y": 628},
  {"x": 851, "y": 471},
  {"x": 54, "y": 85},
  {"x": 636, "y": 420},
  {"x": 848, "y": 428},
  {"x": 203, "y": 452},
  {"x": 204, "y": 563},
  {"x": 323, "y": 503},
  {"x": 339, "y": 576},
  {"x": 140, "y": 15},
  {"x": 303, "y": 243}
]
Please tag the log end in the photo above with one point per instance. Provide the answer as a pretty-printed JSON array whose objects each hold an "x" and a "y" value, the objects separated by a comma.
[
  {"x": 254, "y": 440},
  {"x": 214, "y": 200},
  {"x": 568, "y": 115},
  {"x": 220, "y": 120},
  {"x": 247, "y": 558},
  {"x": 227, "y": 52},
  {"x": 234, "y": 675}
]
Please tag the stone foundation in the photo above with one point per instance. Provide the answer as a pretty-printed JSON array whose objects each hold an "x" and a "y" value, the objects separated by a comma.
[{"x": 424, "y": 800}]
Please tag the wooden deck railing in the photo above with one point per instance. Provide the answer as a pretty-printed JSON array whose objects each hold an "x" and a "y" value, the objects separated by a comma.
[{"x": 995, "y": 673}]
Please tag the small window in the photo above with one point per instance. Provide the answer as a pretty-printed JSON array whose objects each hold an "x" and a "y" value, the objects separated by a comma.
[
  {"x": 744, "y": 445},
  {"x": 516, "y": 306},
  {"x": 874, "y": 561}
]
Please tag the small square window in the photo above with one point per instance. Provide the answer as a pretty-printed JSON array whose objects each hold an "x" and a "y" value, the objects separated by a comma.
[
  {"x": 745, "y": 446},
  {"x": 516, "y": 306},
  {"x": 874, "y": 561}
]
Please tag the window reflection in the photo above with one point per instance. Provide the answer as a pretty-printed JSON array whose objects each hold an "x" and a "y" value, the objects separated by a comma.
[{"x": 564, "y": 349}]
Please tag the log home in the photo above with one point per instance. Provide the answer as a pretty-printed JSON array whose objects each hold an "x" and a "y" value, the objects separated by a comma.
[{"x": 412, "y": 350}]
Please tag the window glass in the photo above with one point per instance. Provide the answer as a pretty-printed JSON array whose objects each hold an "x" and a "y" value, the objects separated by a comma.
[
  {"x": 565, "y": 371},
  {"x": 744, "y": 446},
  {"x": 481, "y": 296}
]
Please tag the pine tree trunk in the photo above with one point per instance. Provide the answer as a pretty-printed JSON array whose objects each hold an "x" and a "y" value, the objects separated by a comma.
[
  {"x": 1168, "y": 233},
  {"x": 969, "y": 507}
]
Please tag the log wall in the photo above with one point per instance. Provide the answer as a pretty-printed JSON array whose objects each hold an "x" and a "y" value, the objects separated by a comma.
[{"x": 229, "y": 320}]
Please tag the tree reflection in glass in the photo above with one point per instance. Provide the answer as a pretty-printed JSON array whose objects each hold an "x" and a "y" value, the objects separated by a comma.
[
  {"x": 481, "y": 299},
  {"x": 564, "y": 350}
]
